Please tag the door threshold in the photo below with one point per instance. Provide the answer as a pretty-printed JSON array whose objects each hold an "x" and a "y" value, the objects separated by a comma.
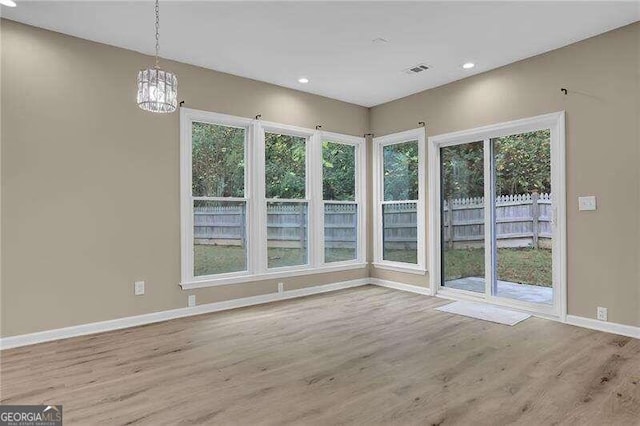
[{"x": 453, "y": 294}]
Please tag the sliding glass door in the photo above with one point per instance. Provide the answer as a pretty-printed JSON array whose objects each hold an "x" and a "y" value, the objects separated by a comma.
[
  {"x": 522, "y": 207},
  {"x": 463, "y": 216},
  {"x": 498, "y": 237}
]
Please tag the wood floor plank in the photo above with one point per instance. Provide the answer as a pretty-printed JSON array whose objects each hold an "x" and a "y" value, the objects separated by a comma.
[{"x": 368, "y": 355}]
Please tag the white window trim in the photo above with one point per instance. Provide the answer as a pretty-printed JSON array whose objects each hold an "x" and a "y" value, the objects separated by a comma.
[
  {"x": 187, "y": 117},
  {"x": 255, "y": 198},
  {"x": 556, "y": 123},
  {"x": 379, "y": 143},
  {"x": 360, "y": 200},
  {"x": 309, "y": 199}
]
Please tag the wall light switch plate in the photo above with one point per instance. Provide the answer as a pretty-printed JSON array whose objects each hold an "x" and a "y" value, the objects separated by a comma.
[
  {"x": 602, "y": 313},
  {"x": 587, "y": 203},
  {"x": 280, "y": 288},
  {"x": 191, "y": 300},
  {"x": 138, "y": 288}
]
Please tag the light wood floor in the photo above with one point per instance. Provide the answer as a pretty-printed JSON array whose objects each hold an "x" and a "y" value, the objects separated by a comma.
[{"x": 362, "y": 356}]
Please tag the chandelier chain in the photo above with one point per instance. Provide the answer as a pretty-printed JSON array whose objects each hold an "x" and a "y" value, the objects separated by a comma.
[
  {"x": 157, "y": 31},
  {"x": 157, "y": 88}
]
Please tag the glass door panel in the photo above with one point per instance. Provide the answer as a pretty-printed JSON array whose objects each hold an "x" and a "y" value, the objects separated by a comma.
[
  {"x": 522, "y": 213},
  {"x": 463, "y": 216}
]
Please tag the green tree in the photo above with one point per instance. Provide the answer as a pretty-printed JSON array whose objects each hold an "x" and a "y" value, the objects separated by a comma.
[
  {"x": 218, "y": 160},
  {"x": 285, "y": 164},
  {"x": 339, "y": 171},
  {"x": 401, "y": 171},
  {"x": 463, "y": 170},
  {"x": 522, "y": 163}
]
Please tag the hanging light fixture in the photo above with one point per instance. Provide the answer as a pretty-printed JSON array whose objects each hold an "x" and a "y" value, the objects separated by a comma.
[{"x": 157, "y": 88}]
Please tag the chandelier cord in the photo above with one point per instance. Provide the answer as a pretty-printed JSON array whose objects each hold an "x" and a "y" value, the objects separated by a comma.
[
  {"x": 157, "y": 31},
  {"x": 157, "y": 88}
]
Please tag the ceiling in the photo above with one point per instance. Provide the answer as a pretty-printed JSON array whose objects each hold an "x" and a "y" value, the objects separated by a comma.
[{"x": 332, "y": 43}]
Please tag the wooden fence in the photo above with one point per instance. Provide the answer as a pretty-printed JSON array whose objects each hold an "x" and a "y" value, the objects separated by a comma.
[
  {"x": 521, "y": 221},
  {"x": 399, "y": 223},
  {"x": 286, "y": 225}
]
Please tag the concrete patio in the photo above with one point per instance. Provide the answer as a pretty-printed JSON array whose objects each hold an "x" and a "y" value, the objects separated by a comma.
[{"x": 524, "y": 292}]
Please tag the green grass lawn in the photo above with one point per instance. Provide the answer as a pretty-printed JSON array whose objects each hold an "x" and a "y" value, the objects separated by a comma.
[
  {"x": 210, "y": 259},
  {"x": 278, "y": 257},
  {"x": 518, "y": 265},
  {"x": 406, "y": 256}
]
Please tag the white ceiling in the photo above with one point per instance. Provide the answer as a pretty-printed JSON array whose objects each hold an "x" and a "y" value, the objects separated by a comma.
[{"x": 331, "y": 43}]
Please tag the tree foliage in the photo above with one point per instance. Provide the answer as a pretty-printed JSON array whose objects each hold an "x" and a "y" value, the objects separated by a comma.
[
  {"x": 463, "y": 170},
  {"x": 339, "y": 171},
  {"x": 285, "y": 166},
  {"x": 218, "y": 160},
  {"x": 522, "y": 163},
  {"x": 218, "y": 156},
  {"x": 401, "y": 171}
]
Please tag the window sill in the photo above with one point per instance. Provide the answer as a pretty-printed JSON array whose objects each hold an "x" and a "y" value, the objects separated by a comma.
[
  {"x": 288, "y": 272},
  {"x": 398, "y": 267}
]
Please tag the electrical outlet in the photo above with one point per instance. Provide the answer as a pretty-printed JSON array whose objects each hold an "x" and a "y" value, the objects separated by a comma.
[
  {"x": 191, "y": 301},
  {"x": 280, "y": 288},
  {"x": 587, "y": 203},
  {"x": 602, "y": 313},
  {"x": 138, "y": 288}
]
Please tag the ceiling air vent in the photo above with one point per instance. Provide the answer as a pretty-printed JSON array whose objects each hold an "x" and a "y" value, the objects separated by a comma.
[{"x": 416, "y": 69}]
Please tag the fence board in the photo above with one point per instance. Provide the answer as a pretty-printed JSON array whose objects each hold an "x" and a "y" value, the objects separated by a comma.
[{"x": 520, "y": 217}]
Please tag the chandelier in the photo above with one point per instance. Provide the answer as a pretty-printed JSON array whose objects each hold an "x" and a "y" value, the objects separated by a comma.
[{"x": 157, "y": 88}]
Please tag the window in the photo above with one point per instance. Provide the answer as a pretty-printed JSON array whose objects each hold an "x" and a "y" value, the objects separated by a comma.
[
  {"x": 342, "y": 198},
  {"x": 262, "y": 200},
  {"x": 218, "y": 196},
  {"x": 286, "y": 179},
  {"x": 400, "y": 211},
  {"x": 400, "y": 202}
]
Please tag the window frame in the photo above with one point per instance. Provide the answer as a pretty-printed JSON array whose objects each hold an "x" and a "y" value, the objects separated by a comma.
[
  {"x": 379, "y": 144},
  {"x": 555, "y": 122},
  {"x": 186, "y": 189},
  {"x": 270, "y": 127},
  {"x": 359, "y": 200},
  {"x": 255, "y": 196}
]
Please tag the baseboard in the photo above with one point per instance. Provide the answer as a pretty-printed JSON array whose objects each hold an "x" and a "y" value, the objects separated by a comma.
[
  {"x": 120, "y": 323},
  {"x": 126, "y": 322},
  {"x": 609, "y": 327},
  {"x": 400, "y": 286}
]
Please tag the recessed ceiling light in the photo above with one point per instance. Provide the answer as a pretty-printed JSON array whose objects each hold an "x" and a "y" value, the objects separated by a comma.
[
  {"x": 303, "y": 80},
  {"x": 9, "y": 3},
  {"x": 468, "y": 65}
]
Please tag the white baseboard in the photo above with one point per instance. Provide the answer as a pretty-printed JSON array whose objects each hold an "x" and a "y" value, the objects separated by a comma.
[
  {"x": 116, "y": 324},
  {"x": 126, "y": 322},
  {"x": 400, "y": 286},
  {"x": 609, "y": 327}
]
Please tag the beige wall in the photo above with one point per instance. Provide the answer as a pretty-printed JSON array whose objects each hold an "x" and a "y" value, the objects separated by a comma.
[
  {"x": 90, "y": 183},
  {"x": 83, "y": 168},
  {"x": 603, "y": 153}
]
